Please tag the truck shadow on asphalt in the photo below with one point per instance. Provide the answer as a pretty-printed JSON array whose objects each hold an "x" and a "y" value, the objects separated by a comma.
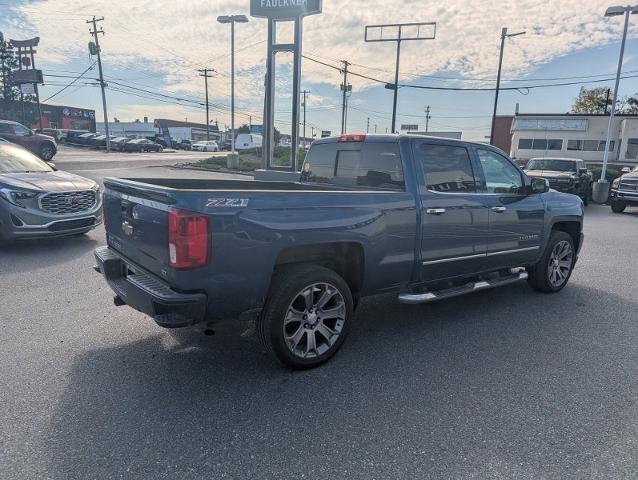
[{"x": 495, "y": 376}]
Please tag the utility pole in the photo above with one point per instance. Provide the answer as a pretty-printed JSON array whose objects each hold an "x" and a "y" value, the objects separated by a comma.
[
  {"x": 375, "y": 128},
  {"x": 304, "y": 93},
  {"x": 206, "y": 74},
  {"x": 368, "y": 126},
  {"x": 344, "y": 88},
  {"x": 427, "y": 118},
  {"x": 504, "y": 35},
  {"x": 95, "y": 33}
]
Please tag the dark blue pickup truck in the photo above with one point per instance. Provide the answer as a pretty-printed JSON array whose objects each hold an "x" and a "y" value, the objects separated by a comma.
[{"x": 424, "y": 218}]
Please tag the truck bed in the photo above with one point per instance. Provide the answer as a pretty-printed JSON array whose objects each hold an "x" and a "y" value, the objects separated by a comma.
[{"x": 224, "y": 185}]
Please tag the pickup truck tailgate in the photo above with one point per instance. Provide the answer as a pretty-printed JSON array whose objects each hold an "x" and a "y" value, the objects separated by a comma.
[{"x": 137, "y": 225}]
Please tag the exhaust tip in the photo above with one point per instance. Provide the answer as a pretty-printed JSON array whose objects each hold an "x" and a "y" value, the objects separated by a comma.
[{"x": 209, "y": 332}]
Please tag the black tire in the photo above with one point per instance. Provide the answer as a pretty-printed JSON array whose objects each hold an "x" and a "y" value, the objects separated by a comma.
[
  {"x": 46, "y": 152},
  {"x": 288, "y": 288},
  {"x": 618, "y": 206},
  {"x": 540, "y": 275}
]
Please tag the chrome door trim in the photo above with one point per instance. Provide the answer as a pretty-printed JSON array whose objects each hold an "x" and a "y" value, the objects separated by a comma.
[
  {"x": 515, "y": 250},
  {"x": 480, "y": 255},
  {"x": 454, "y": 259}
]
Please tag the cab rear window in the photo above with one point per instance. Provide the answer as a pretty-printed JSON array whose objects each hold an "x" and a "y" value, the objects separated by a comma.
[{"x": 371, "y": 165}]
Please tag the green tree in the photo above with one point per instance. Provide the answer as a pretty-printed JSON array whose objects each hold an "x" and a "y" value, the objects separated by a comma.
[
  {"x": 592, "y": 100},
  {"x": 243, "y": 129}
]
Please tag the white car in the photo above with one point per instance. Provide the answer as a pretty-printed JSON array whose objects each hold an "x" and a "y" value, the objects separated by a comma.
[{"x": 210, "y": 146}]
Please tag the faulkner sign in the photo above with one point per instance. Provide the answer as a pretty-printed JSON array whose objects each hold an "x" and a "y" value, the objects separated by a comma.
[{"x": 284, "y": 9}]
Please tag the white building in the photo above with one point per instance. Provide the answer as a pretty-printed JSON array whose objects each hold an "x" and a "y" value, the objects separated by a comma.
[{"x": 574, "y": 136}]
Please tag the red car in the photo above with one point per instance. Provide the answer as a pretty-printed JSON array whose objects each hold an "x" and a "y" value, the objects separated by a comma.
[{"x": 43, "y": 146}]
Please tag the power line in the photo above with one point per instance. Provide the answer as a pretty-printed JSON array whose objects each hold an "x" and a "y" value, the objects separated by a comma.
[
  {"x": 467, "y": 89},
  {"x": 69, "y": 84}
]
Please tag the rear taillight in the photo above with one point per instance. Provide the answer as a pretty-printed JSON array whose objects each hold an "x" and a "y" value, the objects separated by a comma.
[
  {"x": 188, "y": 239},
  {"x": 352, "y": 137}
]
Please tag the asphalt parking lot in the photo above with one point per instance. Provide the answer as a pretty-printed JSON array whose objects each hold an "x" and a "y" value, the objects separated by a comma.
[{"x": 506, "y": 383}]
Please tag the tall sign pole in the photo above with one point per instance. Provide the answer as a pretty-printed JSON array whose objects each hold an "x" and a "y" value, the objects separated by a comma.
[
  {"x": 277, "y": 12},
  {"x": 27, "y": 76},
  {"x": 95, "y": 32},
  {"x": 399, "y": 32}
]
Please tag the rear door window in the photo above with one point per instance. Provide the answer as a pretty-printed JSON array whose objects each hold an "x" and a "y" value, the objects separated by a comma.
[
  {"x": 447, "y": 168},
  {"x": 373, "y": 165}
]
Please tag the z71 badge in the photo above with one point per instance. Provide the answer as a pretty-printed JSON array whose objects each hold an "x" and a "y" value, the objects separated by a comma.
[{"x": 227, "y": 202}]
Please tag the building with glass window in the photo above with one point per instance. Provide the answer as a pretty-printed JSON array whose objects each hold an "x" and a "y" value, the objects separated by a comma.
[{"x": 573, "y": 136}]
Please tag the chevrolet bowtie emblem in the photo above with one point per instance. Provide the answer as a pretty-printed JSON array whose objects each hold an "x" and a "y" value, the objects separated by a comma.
[{"x": 127, "y": 228}]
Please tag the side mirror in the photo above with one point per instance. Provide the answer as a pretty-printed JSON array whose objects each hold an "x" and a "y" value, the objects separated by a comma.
[
  {"x": 539, "y": 185},
  {"x": 583, "y": 171},
  {"x": 626, "y": 170}
]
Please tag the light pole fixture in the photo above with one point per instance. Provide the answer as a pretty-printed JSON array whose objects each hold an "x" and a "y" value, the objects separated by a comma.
[
  {"x": 601, "y": 188},
  {"x": 232, "y": 19},
  {"x": 504, "y": 36},
  {"x": 398, "y": 33}
]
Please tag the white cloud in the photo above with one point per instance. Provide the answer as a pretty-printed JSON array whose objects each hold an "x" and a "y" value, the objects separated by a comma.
[{"x": 173, "y": 39}]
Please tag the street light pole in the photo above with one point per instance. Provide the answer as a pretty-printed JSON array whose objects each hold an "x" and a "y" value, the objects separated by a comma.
[
  {"x": 396, "y": 84},
  {"x": 504, "y": 35},
  {"x": 600, "y": 189},
  {"x": 232, "y": 19}
]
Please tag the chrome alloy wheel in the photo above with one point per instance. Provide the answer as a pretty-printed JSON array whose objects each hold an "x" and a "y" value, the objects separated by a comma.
[
  {"x": 560, "y": 263},
  {"x": 314, "y": 320}
]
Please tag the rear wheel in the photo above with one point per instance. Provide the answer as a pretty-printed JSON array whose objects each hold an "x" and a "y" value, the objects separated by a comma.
[
  {"x": 307, "y": 316},
  {"x": 552, "y": 272},
  {"x": 618, "y": 206}
]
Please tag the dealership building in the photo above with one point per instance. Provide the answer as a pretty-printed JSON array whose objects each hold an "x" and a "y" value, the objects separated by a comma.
[{"x": 526, "y": 136}]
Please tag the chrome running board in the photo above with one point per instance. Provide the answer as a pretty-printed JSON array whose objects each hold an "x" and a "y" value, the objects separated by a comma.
[{"x": 425, "y": 297}]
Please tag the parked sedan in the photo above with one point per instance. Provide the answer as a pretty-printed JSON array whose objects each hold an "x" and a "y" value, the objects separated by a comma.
[
  {"x": 117, "y": 143},
  {"x": 142, "y": 145},
  {"x": 208, "y": 146},
  {"x": 36, "y": 200},
  {"x": 84, "y": 139}
]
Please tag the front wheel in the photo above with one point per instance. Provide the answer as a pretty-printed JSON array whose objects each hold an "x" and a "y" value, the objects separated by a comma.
[
  {"x": 47, "y": 152},
  {"x": 617, "y": 206},
  {"x": 307, "y": 316},
  {"x": 552, "y": 272}
]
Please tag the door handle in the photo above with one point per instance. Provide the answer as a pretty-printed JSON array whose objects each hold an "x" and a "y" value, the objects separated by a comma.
[
  {"x": 435, "y": 211},
  {"x": 499, "y": 209}
]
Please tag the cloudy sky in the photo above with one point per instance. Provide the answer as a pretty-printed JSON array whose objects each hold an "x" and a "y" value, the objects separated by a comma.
[{"x": 154, "y": 48}]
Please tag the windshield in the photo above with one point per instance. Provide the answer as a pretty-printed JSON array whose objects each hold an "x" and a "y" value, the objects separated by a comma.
[
  {"x": 15, "y": 159},
  {"x": 552, "y": 164}
]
